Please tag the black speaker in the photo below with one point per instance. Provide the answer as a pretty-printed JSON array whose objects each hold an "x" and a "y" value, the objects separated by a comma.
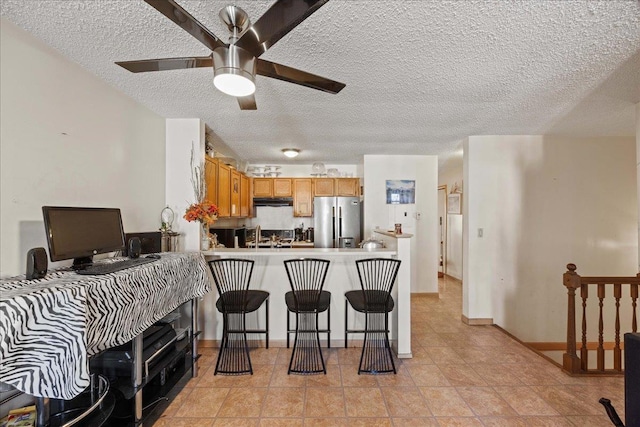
[
  {"x": 36, "y": 263},
  {"x": 150, "y": 242},
  {"x": 134, "y": 247}
]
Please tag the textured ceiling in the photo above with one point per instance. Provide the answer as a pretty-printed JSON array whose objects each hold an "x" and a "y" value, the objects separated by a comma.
[{"x": 420, "y": 75}]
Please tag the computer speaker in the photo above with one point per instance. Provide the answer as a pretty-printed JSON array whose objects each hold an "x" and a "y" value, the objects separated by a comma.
[
  {"x": 134, "y": 247},
  {"x": 36, "y": 263}
]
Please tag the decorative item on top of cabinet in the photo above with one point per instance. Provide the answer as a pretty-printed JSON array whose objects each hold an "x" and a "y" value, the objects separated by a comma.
[
  {"x": 323, "y": 187},
  {"x": 262, "y": 187},
  {"x": 211, "y": 176},
  {"x": 347, "y": 186},
  {"x": 282, "y": 187},
  {"x": 302, "y": 197},
  {"x": 235, "y": 193},
  {"x": 224, "y": 193},
  {"x": 245, "y": 196}
]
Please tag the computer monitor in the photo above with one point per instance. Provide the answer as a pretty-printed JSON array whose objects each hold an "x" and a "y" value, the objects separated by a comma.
[{"x": 79, "y": 233}]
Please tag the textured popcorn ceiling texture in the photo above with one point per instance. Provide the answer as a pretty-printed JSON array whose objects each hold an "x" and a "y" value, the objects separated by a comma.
[{"x": 420, "y": 75}]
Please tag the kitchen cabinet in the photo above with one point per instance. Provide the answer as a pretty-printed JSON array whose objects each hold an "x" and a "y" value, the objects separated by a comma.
[
  {"x": 323, "y": 187},
  {"x": 347, "y": 186},
  {"x": 235, "y": 193},
  {"x": 282, "y": 187},
  {"x": 224, "y": 191},
  {"x": 272, "y": 187},
  {"x": 211, "y": 178},
  {"x": 245, "y": 197},
  {"x": 263, "y": 187},
  {"x": 302, "y": 197}
]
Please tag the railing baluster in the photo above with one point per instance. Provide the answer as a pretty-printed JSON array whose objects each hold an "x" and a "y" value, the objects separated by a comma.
[
  {"x": 634, "y": 299},
  {"x": 584, "y": 351},
  {"x": 617, "y": 353},
  {"x": 600, "y": 328},
  {"x": 573, "y": 364}
]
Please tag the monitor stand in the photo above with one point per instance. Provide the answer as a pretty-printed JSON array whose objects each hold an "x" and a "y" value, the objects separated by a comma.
[{"x": 82, "y": 262}]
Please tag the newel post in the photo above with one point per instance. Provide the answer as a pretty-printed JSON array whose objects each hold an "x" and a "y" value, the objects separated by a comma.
[{"x": 570, "y": 360}]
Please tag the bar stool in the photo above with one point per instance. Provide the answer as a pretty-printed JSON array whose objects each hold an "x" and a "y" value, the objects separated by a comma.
[
  {"x": 307, "y": 299},
  {"x": 377, "y": 277},
  {"x": 232, "y": 277}
]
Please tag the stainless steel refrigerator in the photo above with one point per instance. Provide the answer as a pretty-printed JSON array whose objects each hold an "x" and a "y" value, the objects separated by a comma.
[{"x": 336, "y": 222}]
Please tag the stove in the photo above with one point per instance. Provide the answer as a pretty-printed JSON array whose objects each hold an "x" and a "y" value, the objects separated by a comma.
[{"x": 272, "y": 239}]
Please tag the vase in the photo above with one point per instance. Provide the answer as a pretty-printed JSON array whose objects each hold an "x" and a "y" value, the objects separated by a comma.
[{"x": 205, "y": 243}]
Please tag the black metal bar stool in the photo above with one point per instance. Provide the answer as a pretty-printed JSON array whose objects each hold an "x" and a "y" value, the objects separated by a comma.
[
  {"x": 232, "y": 277},
  {"x": 307, "y": 299},
  {"x": 377, "y": 277}
]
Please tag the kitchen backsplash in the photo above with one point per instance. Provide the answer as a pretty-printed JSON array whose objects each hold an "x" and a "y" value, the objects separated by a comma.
[{"x": 278, "y": 218}]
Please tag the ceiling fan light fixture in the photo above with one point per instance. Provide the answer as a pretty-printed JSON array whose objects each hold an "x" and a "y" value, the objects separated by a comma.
[
  {"x": 290, "y": 152},
  {"x": 234, "y": 71}
]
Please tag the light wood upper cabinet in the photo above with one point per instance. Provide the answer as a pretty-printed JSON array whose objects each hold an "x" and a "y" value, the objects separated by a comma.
[
  {"x": 245, "y": 196},
  {"x": 282, "y": 187},
  {"x": 224, "y": 190},
  {"x": 235, "y": 193},
  {"x": 302, "y": 197},
  {"x": 262, "y": 187},
  {"x": 211, "y": 177},
  {"x": 323, "y": 187},
  {"x": 347, "y": 186}
]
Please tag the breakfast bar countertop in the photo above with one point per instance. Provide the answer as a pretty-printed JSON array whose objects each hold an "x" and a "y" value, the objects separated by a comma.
[{"x": 295, "y": 252}]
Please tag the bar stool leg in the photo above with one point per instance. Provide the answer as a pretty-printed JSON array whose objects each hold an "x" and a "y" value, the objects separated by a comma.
[
  {"x": 267, "y": 322},
  {"x": 346, "y": 327}
]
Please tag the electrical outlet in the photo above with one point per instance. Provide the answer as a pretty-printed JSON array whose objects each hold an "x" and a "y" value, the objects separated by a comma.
[{"x": 480, "y": 232}]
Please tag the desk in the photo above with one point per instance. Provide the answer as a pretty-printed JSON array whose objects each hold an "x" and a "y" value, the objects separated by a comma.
[{"x": 50, "y": 327}]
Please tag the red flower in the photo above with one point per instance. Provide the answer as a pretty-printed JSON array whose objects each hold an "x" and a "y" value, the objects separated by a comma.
[{"x": 205, "y": 212}]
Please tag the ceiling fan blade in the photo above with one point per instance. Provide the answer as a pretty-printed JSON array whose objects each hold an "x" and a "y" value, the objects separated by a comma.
[
  {"x": 177, "y": 14},
  {"x": 247, "y": 102},
  {"x": 276, "y": 22},
  {"x": 165, "y": 64},
  {"x": 293, "y": 75}
]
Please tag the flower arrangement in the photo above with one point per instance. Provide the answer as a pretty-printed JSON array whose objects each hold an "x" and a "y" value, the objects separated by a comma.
[{"x": 204, "y": 212}]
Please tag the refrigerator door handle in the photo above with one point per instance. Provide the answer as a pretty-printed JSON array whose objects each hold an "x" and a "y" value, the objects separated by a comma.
[
  {"x": 333, "y": 223},
  {"x": 340, "y": 221}
]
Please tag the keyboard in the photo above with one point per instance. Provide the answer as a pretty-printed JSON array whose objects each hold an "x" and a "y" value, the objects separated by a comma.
[{"x": 112, "y": 267}]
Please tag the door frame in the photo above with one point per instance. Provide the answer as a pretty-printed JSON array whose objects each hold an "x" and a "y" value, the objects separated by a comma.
[{"x": 443, "y": 229}]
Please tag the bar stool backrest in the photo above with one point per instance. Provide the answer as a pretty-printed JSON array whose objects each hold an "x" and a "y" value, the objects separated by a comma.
[
  {"x": 232, "y": 277},
  {"x": 377, "y": 277},
  {"x": 306, "y": 277}
]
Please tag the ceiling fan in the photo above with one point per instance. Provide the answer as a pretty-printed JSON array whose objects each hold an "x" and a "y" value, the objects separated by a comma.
[{"x": 236, "y": 63}]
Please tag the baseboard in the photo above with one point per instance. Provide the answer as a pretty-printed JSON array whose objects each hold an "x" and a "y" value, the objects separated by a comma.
[
  {"x": 562, "y": 346},
  {"x": 425, "y": 294},
  {"x": 476, "y": 321}
]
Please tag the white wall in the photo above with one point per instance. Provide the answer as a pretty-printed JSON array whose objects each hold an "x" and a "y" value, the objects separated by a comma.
[
  {"x": 67, "y": 138},
  {"x": 638, "y": 170},
  {"x": 424, "y": 244},
  {"x": 183, "y": 136},
  {"x": 543, "y": 202},
  {"x": 449, "y": 175}
]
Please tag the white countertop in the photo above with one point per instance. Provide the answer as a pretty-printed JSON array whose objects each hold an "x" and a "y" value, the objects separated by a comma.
[
  {"x": 393, "y": 234},
  {"x": 299, "y": 251}
]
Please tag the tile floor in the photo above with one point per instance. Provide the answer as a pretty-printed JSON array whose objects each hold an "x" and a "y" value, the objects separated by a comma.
[{"x": 459, "y": 376}]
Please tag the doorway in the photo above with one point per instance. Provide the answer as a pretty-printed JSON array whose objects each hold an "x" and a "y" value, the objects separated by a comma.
[{"x": 442, "y": 230}]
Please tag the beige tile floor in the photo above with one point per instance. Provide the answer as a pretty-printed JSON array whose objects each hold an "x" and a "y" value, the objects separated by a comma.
[{"x": 459, "y": 376}]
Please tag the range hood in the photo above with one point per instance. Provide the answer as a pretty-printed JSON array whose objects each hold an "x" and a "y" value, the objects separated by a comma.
[{"x": 272, "y": 201}]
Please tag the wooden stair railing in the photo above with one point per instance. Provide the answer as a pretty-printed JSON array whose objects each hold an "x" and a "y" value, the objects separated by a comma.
[{"x": 571, "y": 362}]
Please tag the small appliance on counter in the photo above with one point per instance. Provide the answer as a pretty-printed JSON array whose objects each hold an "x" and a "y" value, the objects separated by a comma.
[
  {"x": 299, "y": 233},
  {"x": 308, "y": 235},
  {"x": 227, "y": 236}
]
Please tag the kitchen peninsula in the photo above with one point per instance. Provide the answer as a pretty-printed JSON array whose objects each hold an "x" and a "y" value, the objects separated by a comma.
[{"x": 269, "y": 274}]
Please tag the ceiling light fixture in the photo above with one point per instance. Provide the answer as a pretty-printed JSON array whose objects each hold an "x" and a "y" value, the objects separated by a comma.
[
  {"x": 290, "y": 152},
  {"x": 234, "y": 71}
]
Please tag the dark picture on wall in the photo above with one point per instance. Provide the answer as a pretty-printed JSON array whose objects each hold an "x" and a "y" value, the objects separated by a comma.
[{"x": 401, "y": 192}]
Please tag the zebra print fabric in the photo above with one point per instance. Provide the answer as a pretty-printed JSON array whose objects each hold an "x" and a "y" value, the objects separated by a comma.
[{"x": 50, "y": 327}]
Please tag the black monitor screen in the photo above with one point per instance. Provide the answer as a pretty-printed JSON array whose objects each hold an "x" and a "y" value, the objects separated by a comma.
[{"x": 80, "y": 233}]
